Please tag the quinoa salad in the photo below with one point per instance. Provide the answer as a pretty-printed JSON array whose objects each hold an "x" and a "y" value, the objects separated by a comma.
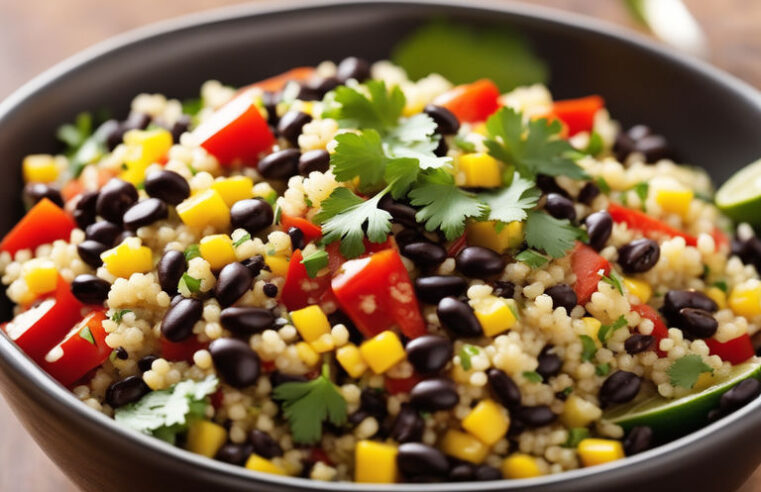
[{"x": 343, "y": 274}]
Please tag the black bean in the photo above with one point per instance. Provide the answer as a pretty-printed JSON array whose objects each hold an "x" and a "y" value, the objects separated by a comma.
[
  {"x": 638, "y": 343},
  {"x": 639, "y": 255},
  {"x": 562, "y": 296},
  {"x": 446, "y": 122},
  {"x": 297, "y": 238},
  {"x": 749, "y": 250},
  {"x": 235, "y": 362},
  {"x": 620, "y": 387},
  {"x": 639, "y": 439},
  {"x": 178, "y": 321},
  {"x": 697, "y": 323},
  {"x": 253, "y": 215},
  {"x": 415, "y": 459},
  {"x": 505, "y": 289},
  {"x": 638, "y": 132},
  {"x": 462, "y": 472},
  {"x": 145, "y": 212},
  {"x": 264, "y": 445},
  {"x": 588, "y": 193},
  {"x": 290, "y": 125},
  {"x": 548, "y": 185},
  {"x": 111, "y": 132},
  {"x": 358, "y": 416},
  {"x": 676, "y": 300},
  {"x": 277, "y": 378},
  {"x": 429, "y": 353},
  {"x": 170, "y": 268},
  {"x": 175, "y": 299},
  {"x": 255, "y": 264},
  {"x": 90, "y": 289},
  {"x": 458, "y": 317},
  {"x": 401, "y": 213},
  {"x": 270, "y": 101},
  {"x": 136, "y": 121},
  {"x": 114, "y": 199},
  {"x": 504, "y": 388},
  {"x": 441, "y": 149},
  {"x": 315, "y": 88},
  {"x": 281, "y": 164},
  {"x": 536, "y": 416},
  {"x": 516, "y": 428},
  {"x": 314, "y": 160},
  {"x": 560, "y": 207},
  {"x": 424, "y": 254},
  {"x": 121, "y": 353},
  {"x": 599, "y": 227},
  {"x": 739, "y": 395},
  {"x": 124, "y": 235},
  {"x": 128, "y": 390},
  {"x": 235, "y": 454},
  {"x": 103, "y": 231},
  {"x": 246, "y": 320},
  {"x": 179, "y": 127},
  {"x": 653, "y": 147},
  {"x": 34, "y": 192},
  {"x": 549, "y": 363},
  {"x": 89, "y": 251},
  {"x": 84, "y": 210},
  {"x": 373, "y": 402},
  {"x": 270, "y": 290},
  {"x": 145, "y": 363},
  {"x": 353, "y": 68},
  {"x": 233, "y": 281},
  {"x": 434, "y": 394},
  {"x": 479, "y": 262},
  {"x": 485, "y": 473},
  {"x": 167, "y": 186},
  {"x": 408, "y": 425}
]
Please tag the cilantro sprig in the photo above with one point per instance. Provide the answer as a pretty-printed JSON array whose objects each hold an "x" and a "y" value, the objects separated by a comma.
[
  {"x": 315, "y": 262},
  {"x": 684, "y": 372}
]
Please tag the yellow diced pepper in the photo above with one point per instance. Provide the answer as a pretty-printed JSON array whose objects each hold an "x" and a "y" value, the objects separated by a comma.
[
  {"x": 323, "y": 344},
  {"x": 217, "y": 250},
  {"x": 259, "y": 464},
  {"x": 383, "y": 351},
  {"x": 746, "y": 301},
  {"x": 128, "y": 258},
  {"x": 234, "y": 188},
  {"x": 464, "y": 446},
  {"x": 374, "y": 462},
  {"x": 307, "y": 354},
  {"x": 278, "y": 265},
  {"x": 487, "y": 421},
  {"x": 578, "y": 412},
  {"x": 144, "y": 147},
  {"x": 718, "y": 296},
  {"x": 310, "y": 322},
  {"x": 41, "y": 277},
  {"x": 519, "y": 465},
  {"x": 598, "y": 451},
  {"x": 206, "y": 208},
  {"x": 638, "y": 288},
  {"x": 351, "y": 360},
  {"x": 40, "y": 168},
  {"x": 493, "y": 235},
  {"x": 590, "y": 328},
  {"x": 481, "y": 170},
  {"x": 480, "y": 128},
  {"x": 674, "y": 201},
  {"x": 205, "y": 438},
  {"x": 495, "y": 315}
]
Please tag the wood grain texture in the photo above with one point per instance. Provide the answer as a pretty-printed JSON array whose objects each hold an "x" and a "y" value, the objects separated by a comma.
[{"x": 35, "y": 34}]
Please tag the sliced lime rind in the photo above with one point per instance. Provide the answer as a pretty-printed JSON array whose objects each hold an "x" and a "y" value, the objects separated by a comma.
[{"x": 740, "y": 197}]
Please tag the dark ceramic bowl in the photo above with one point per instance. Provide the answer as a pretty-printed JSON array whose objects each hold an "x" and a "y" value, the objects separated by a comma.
[{"x": 711, "y": 118}]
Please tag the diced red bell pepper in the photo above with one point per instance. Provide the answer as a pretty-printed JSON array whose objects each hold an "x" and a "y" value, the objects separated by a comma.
[
  {"x": 377, "y": 294},
  {"x": 312, "y": 231},
  {"x": 43, "y": 223},
  {"x": 336, "y": 259},
  {"x": 181, "y": 351},
  {"x": 720, "y": 239},
  {"x": 578, "y": 114},
  {"x": 589, "y": 267},
  {"x": 217, "y": 398},
  {"x": 660, "y": 331},
  {"x": 82, "y": 350},
  {"x": 277, "y": 82},
  {"x": 75, "y": 187},
  {"x": 457, "y": 245},
  {"x": 42, "y": 326},
  {"x": 299, "y": 290},
  {"x": 401, "y": 385},
  {"x": 236, "y": 132},
  {"x": 646, "y": 224},
  {"x": 319, "y": 454},
  {"x": 471, "y": 102},
  {"x": 734, "y": 351}
]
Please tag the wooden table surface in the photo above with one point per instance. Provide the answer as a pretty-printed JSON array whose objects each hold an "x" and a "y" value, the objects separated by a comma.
[{"x": 34, "y": 34}]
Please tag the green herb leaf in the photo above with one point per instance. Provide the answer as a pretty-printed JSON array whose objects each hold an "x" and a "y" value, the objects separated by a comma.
[
  {"x": 191, "y": 283},
  {"x": 353, "y": 109},
  {"x": 532, "y": 258},
  {"x": 315, "y": 262},
  {"x": 567, "y": 391},
  {"x": 465, "y": 352},
  {"x": 595, "y": 145},
  {"x": 575, "y": 436},
  {"x": 641, "y": 189},
  {"x": 359, "y": 155},
  {"x": 464, "y": 145},
  {"x": 511, "y": 203},
  {"x": 192, "y": 251},
  {"x": 685, "y": 372},
  {"x": 722, "y": 285},
  {"x": 278, "y": 213},
  {"x": 192, "y": 107},
  {"x": 119, "y": 314},
  {"x": 533, "y": 376},
  {"x": 553, "y": 236},
  {"x": 86, "y": 334},
  {"x": 243, "y": 239},
  {"x": 602, "y": 184},
  {"x": 401, "y": 174},
  {"x": 605, "y": 331},
  {"x": 588, "y": 348},
  {"x": 602, "y": 370},
  {"x": 614, "y": 279}
]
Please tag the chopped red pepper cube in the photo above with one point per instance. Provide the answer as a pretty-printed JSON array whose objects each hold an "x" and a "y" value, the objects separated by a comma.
[
  {"x": 660, "y": 331},
  {"x": 311, "y": 231},
  {"x": 42, "y": 224},
  {"x": 589, "y": 267},
  {"x": 300, "y": 290},
  {"x": 646, "y": 224},
  {"x": 278, "y": 82},
  {"x": 181, "y": 351},
  {"x": 735, "y": 351},
  {"x": 578, "y": 114},
  {"x": 401, "y": 385},
  {"x": 471, "y": 102}
]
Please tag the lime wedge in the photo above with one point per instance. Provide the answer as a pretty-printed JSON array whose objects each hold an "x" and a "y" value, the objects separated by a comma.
[
  {"x": 740, "y": 197},
  {"x": 669, "y": 418}
]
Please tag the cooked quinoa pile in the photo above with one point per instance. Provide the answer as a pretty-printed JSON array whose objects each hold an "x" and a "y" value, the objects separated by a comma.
[{"x": 342, "y": 274}]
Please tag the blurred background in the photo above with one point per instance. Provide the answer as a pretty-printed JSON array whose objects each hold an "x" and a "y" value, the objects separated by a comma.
[{"x": 35, "y": 34}]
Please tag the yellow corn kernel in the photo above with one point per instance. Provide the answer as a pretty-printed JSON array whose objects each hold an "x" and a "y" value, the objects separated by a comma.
[
  {"x": 487, "y": 421},
  {"x": 374, "y": 462},
  {"x": 638, "y": 288},
  {"x": 128, "y": 258},
  {"x": 481, "y": 170},
  {"x": 718, "y": 296},
  {"x": 311, "y": 323},
  {"x": 307, "y": 354},
  {"x": 259, "y": 464},
  {"x": 578, "y": 412},
  {"x": 144, "y": 147},
  {"x": 323, "y": 344},
  {"x": 206, "y": 208},
  {"x": 598, "y": 451},
  {"x": 464, "y": 446},
  {"x": 495, "y": 235},
  {"x": 278, "y": 265},
  {"x": 746, "y": 301},
  {"x": 40, "y": 168},
  {"x": 41, "y": 277},
  {"x": 234, "y": 188},
  {"x": 205, "y": 438},
  {"x": 351, "y": 360},
  {"x": 674, "y": 201},
  {"x": 217, "y": 250},
  {"x": 307, "y": 107},
  {"x": 495, "y": 315},
  {"x": 412, "y": 109},
  {"x": 480, "y": 128},
  {"x": 590, "y": 328},
  {"x": 382, "y": 351},
  {"x": 519, "y": 465}
]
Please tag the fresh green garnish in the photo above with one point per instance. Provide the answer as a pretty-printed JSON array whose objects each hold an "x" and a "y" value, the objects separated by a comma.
[
  {"x": 463, "y": 144},
  {"x": 191, "y": 283},
  {"x": 595, "y": 145},
  {"x": 465, "y": 352},
  {"x": 513, "y": 310},
  {"x": 192, "y": 251},
  {"x": 306, "y": 405},
  {"x": 315, "y": 262},
  {"x": 533, "y": 376},
  {"x": 352, "y": 109},
  {"x": 119, "y": 314},
  {"x": 567, "y": 391},
  {"x": 553, "y": 236},
  {"x": 602, "y": 184},
  {"x": 606, "y": 331},
  {"x": 722, "y": 285},
  {"x": 614, "y": 280},
  {"x": 511, "y": 203},
  {"x": 243, "y": 239},
  {"x": 166, "y": 413},
  {"x": 602, "y": 370},
  {"x": 575, "y": 436},
  {"x": 685, "y": 372},
  {"x": 75, "y": 134},
  {"x": 641, "y": 189},
  {"x": 532, "y": 258},
  {"x": 192, "y": 106},
  {"x": 84, "y": 145},
  {"x": 278, "y": 213},
  {"x": 86, "y": 334},
  {"x": 588, "y": 348}
]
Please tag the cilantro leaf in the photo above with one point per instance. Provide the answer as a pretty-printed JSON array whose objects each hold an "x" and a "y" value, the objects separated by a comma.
[
  {"x": 119, "y": 314},
  {"x": 465, "y": 352},
  {"x": 602, "y": 370},
  {"x": 192, "y": 251},
  {"x": 315, "y": 262},
  {"x": 354, "y": 109},
  {"x": 444, "y": 205},
  {"x": 359, "y": 155},
  {"x": 614, "y": 280},
  {"x": 533, "y": 376},
  {"x": 575, "y": 436},
  {"x": 242, "y": 240},
  {"x": 606, "y": 331},
  {"x": 551, "y": 235},
  {"x": 464, "y": 145},
  {"x": 401, "y": 174},
  {"x": 86, "y": 334},
  {"x": 191, "y": 283},
  {"x": 588, "y": 348},
  {"x": 721, "y": 285},
  {"x": 685, "y": 372},
  {"x": 532, "y": 258},
  {"x": 595, "y": 144},
  {"x": 602, "y": 184},
  {"x": 641, "y": 189},
  {"x": 511, "y": 203}
]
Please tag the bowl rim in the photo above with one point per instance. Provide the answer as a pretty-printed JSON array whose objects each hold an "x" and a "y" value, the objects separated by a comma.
[{"x": 25, "y": 370}]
